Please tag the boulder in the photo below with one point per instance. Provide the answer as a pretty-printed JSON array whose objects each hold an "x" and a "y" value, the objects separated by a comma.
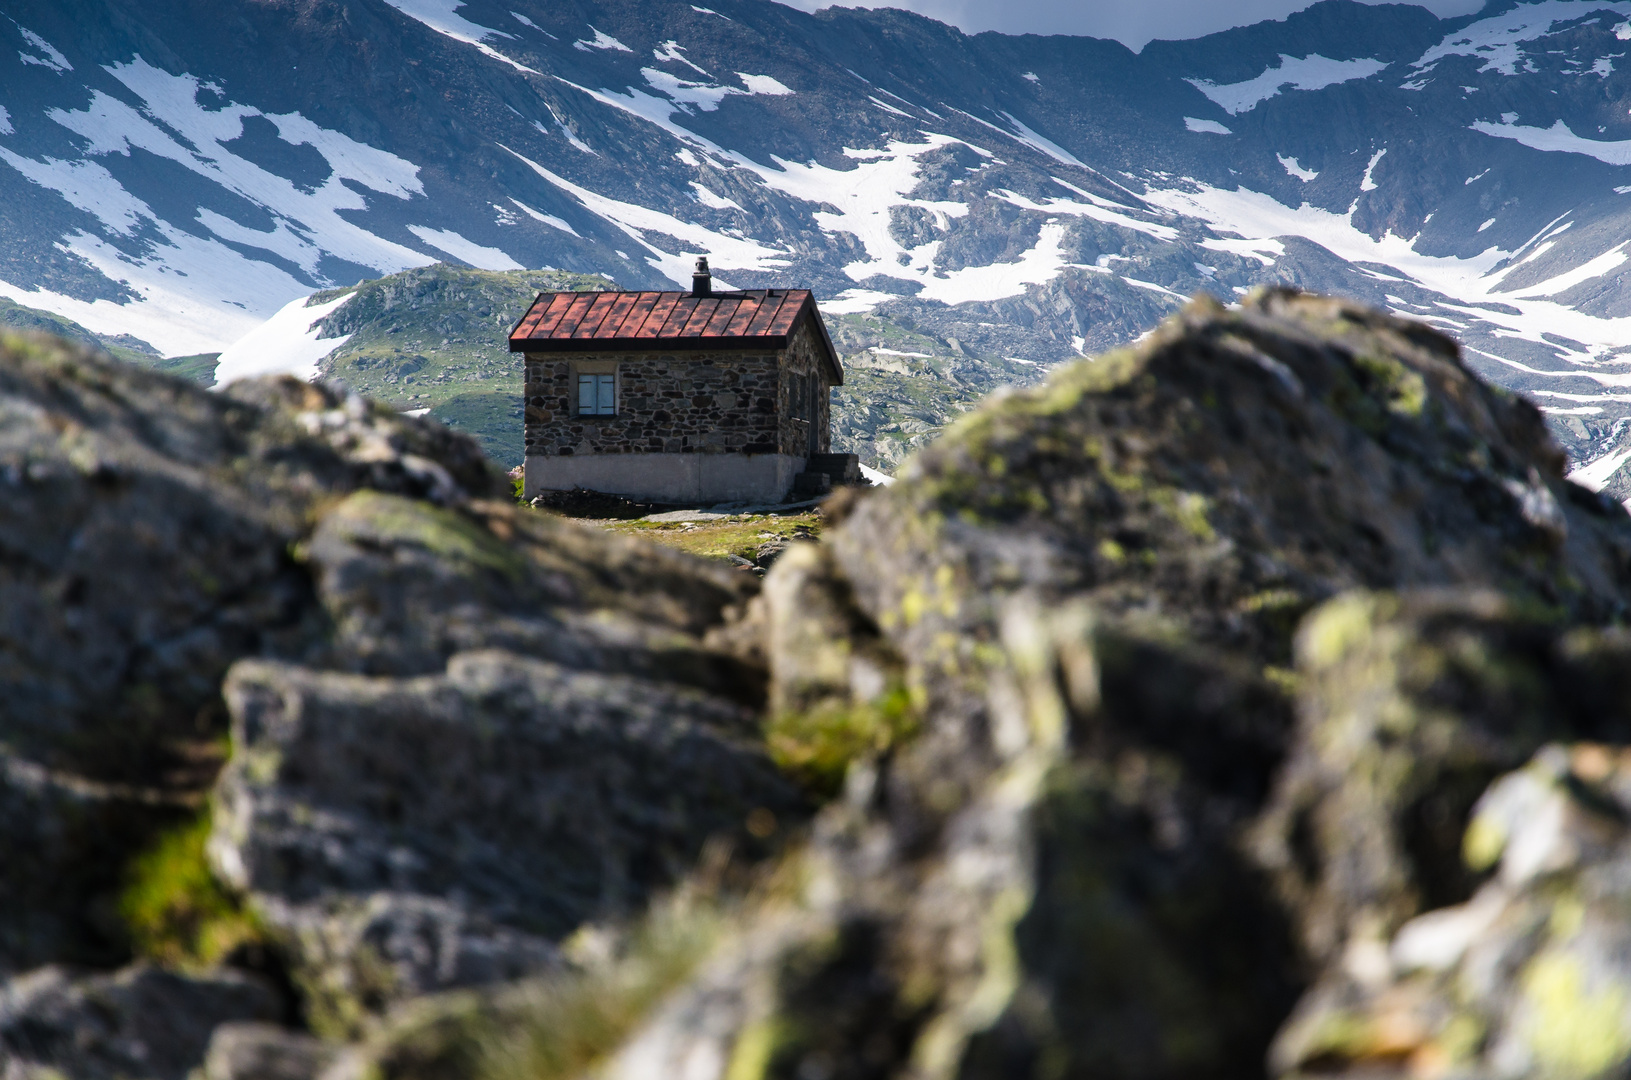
[
  {"x": 257, "y": 1051},
  {"x": 136, "y": 1024},
  {"x": 1409, "y": 706},
  {"x": 1065, "y": 866},
  {"x": 1529, "y": 977},
  {"x": 408, "y": 835},
  {"x": 551, "y": 738},
  {"x": 146, "y": 545}
]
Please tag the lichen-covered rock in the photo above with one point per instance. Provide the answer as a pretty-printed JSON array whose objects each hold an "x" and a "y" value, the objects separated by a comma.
[
  {"x": 1530, "y": 977},
  {"x": 144, "y": 546},
  {"x": 1093, "y": 589},
  {"x": 146, "y": 543},
  {"x": 406, "y": 584},
  {"x": 1094, "y": 805},
  {"x": 136, "y": 1024},
  {"x": 460, "y": 728},
  {"x": 1410, "y": 705},
  {"x": 408, "y": 835}
]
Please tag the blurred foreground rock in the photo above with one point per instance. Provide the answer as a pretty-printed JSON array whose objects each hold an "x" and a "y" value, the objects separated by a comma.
[
  {"x": 1251, "y": 701},
  {"x": 459, "y": 730}
]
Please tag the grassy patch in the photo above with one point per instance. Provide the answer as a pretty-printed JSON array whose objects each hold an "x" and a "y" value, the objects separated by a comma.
[
  {"x": 817, "y": 747},
  {"x": 177, "y": 914},
  {"x": 199, "y": 368},
  {"x": 740, "y": 536}
]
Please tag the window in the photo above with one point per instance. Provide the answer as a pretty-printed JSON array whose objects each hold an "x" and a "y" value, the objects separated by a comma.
[{"x": 597, "y": 395}]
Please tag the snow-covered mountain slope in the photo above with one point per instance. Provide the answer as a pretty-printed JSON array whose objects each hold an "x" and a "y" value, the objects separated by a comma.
[{"x": 182, "y": 170}]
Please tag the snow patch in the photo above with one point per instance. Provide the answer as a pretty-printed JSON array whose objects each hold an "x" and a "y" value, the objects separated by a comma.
[
  {"x": 601, "y": 40},
  {"x": 690, "y": 96},
  {"x": 482, "y": 258},
  {"x": 715, "y": 202},
  {"x": 548, "y": 219},
  {"x": 52, "y": 59},
  {"x": 285, "y": 344},
  {"x": 1095, "y": 210},
  {"x": 1603, "y": 264},
  {"x": 1597, "y": 474},
  {"x": 635, "y": 220},
  {"x": 1559, "y": 139},
  {"x": 1030, "y": 76},
  {"x": 1291, "y": 167},
  {"x": 706, "y": 96},
  {"x": 1367, "y": 183},
  {"x": 1207, "y": 127},
  {"x": 1042, "y": 145},
  {"x": 671, "y": 51},
  {"x": 1297, "y": 73},
  {"x": 440, "y": 16},
  {"x": 886, "y": 107},
  {"x": 1486, "y": 224},
  {"x": 764, "y": 85},
  {"x": 198, "y": 293},
  {"x": 1497, "y": 40},
  {"x": 710, "y": 11},
  {"x": 5, "y": 122},
  {"x": 1258, "y": 218},
  {"x": 881, "y": 479}
]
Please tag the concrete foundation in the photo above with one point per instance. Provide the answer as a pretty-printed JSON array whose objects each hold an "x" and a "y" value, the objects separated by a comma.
[{"x": 702, "y": 479}]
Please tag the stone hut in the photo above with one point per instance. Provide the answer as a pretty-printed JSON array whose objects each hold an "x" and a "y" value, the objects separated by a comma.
[{"x": 701, "y": 397}]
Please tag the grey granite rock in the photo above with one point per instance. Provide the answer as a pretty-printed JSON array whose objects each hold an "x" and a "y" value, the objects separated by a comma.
[
  {"x": 136, "y": 1024},
  {"x": 409, "y": 835}
]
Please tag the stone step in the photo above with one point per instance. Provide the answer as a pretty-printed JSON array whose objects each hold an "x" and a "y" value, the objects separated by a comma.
[
  {"x": 843, "y": 468},
  {"x": 812, "y": 483}
]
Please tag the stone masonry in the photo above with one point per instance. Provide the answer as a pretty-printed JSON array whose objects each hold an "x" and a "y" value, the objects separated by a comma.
[{"x": 680, "y": 402}]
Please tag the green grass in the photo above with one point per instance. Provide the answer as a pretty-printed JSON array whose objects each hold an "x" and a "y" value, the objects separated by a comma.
[
  {"x": 740, "y": 536},
  {"x": 199, "y": 368},
  {"x": 175, "y": 911}
]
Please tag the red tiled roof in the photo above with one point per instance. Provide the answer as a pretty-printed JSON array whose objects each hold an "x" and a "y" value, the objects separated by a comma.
[{"x": 619, "y": 321}]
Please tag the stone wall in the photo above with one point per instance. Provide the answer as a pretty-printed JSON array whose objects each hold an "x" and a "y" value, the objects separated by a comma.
[
  {"x": 803, "y": 358},
  {"x": 673, "y": 402},
  {"x": 677, "y": 402}
]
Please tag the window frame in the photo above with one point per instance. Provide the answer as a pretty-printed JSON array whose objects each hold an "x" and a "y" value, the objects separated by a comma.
[{"x": 607, "y": 381}]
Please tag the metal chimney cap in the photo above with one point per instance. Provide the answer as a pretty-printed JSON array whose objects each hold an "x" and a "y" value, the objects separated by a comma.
[{"x": 702, "y": 280}]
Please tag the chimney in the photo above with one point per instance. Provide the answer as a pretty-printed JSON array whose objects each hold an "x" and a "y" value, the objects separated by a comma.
[{"x": 702, "y": 281}]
